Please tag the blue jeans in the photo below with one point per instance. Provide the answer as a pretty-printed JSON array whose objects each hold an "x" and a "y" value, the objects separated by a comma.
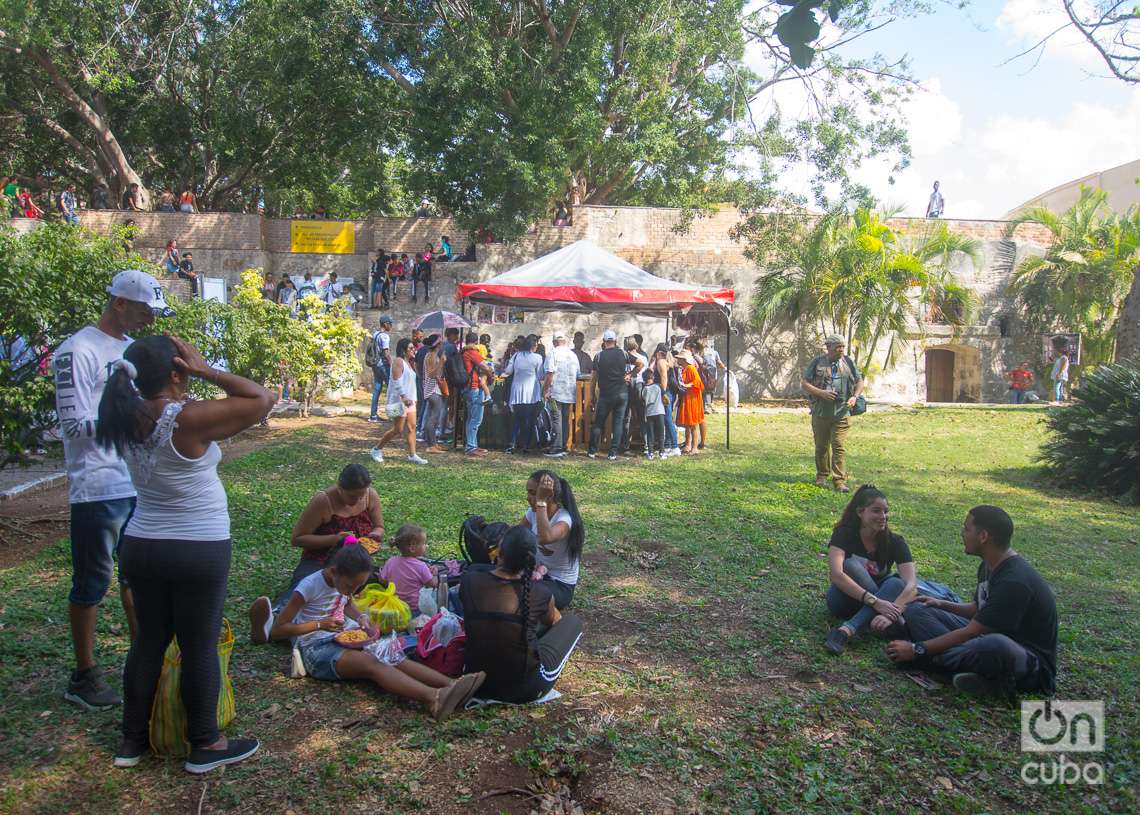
[
  {"x": 379, "y": 380},
  {"x": 605, "y": 406},
  {"x": 855, "y": 614},
  {"x": 96, "y": 534},
  {"x": 474, "y": 397},
  {"x": 523, "y": 419},
  {"x": 321, "y": 657},
  {"x": 1059, "y": 390},
  {"x": 994, "y": 656},
  {"x": 1016, "y": 397},
  {"x": 670, "y": 424}
]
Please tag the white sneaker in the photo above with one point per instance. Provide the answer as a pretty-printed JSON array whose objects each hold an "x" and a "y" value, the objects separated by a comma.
[
  {"x": 416, "y": 459},
  {"x": 377, "y": 455},
  {"x": 650, "y": 456}
]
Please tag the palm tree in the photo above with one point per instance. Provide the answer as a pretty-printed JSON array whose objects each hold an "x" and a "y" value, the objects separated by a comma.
[
  {"x": 855, "y": 276},
  {"x": 1080, "y": 283}
]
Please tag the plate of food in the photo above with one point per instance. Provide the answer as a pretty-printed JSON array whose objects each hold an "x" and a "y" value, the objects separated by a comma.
[
  {"x": 353, "y": 638},
  {"x": 370, "y": 546}
]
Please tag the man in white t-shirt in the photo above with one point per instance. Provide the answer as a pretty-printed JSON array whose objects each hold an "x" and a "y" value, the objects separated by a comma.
[
  {"x": 936, "y": 204},
  {"x": 383, "y": 369},
  {"x": 334, "y": 289},
  {"x": 560, "y": 385},
  {"x": 100, "y": 491}
]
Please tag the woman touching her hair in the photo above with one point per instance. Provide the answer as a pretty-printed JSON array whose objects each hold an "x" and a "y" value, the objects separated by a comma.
[
  {"x": 554, "y": 519},
  {"x": 176, "y": 547}
]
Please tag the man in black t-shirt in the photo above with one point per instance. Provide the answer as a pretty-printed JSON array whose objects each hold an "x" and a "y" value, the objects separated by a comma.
[
  {"x": 612, "y": 381},
  {"x": 1006, "y": 639}
]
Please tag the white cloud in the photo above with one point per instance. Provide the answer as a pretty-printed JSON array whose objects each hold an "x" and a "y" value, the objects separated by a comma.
[
  {"x": 1028, "y": 22},
  {"x": 1009, "y": 159}
]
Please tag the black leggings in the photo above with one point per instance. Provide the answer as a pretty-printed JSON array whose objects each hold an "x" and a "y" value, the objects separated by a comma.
[
  {"x": 554, "y": 649},
  {"x": 179, "y": 588}
]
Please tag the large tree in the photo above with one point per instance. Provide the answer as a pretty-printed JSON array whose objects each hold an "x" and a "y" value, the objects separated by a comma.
[{"x": 513, "y": 105}]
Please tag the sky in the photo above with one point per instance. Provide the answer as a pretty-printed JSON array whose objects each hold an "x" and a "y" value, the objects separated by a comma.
[{"x": 996, "y": 134}]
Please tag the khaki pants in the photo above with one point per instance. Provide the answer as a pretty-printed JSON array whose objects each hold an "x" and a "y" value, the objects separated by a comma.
[{"x": 830, "y": 446}]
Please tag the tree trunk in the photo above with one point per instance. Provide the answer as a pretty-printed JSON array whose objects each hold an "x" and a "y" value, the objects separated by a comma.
[
  {"x": 107, "y": 145},
  {"x": 1128, "y": 331}
]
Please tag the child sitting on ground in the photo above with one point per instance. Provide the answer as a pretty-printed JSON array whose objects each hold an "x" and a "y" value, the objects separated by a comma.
[
  {"x": 406, "y": 570},
  {"x": 309, "y": 619}
]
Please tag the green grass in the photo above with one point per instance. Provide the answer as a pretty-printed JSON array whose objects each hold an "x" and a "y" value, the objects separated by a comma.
[{"x": 701, "y": 684}]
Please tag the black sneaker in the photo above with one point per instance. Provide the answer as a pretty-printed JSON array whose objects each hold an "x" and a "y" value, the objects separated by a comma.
[
  {"x": 202, "y": 760},
  {"x": 612, "y": 457},
  {"x": 88, "y": 689},
  {"x": 978, "y": 685},
  {"x": 836, "y": 641},
  {"x": 130, "y": 754}
]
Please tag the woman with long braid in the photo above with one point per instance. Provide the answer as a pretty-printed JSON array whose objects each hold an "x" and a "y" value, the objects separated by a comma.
[{"x": 503, "y": 609}]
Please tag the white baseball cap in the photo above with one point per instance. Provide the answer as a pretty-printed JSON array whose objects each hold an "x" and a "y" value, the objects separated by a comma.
[
  {"x": 138, "y": 286},
  {"x": 558, "y": 335},
  {"x": 609, "y": 336}
]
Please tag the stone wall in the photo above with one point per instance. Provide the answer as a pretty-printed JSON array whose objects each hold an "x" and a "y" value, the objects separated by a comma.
[{"x": 704, "y": 253}]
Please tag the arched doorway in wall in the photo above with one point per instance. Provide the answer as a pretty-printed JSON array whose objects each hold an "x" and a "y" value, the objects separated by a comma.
[{"x": 953, "y": 374}]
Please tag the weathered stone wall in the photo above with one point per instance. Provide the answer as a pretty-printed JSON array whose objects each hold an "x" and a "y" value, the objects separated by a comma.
[{"x": 704, "y": 253}]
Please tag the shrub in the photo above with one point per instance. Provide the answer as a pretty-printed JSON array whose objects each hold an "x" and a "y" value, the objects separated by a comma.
[
  {"x": 54, "y": 281},
  {"x": 1096, "y": 445}
]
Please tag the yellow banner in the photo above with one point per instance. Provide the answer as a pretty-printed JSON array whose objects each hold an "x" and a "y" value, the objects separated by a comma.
[{"x": 322, "y": 237}]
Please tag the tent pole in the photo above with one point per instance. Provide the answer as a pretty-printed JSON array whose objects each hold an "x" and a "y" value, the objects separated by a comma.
[
  {"x": 727, "y": 373},
  {"x": 668, "y": 327}
]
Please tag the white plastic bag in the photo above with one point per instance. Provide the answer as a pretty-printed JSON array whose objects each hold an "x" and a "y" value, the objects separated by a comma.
[
  {"x": 732, "y": 389},
  {"x": 388, "y": 649},
  {"x": 447, "y": 627},
  {"x": 429, "y": 605}
]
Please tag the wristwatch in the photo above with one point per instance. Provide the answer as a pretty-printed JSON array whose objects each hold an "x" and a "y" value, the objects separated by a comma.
[
  {"x": 919, "y": 649},
  {"x": 870, "y": 599}
]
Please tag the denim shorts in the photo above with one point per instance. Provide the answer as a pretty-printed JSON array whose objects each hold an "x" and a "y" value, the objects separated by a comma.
[
  {"x": 321, "y": 657},
  {"x": 96, "y": 533}
]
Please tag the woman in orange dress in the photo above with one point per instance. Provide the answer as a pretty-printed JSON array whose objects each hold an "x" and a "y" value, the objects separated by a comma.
[{"x": 692, "y": 411}]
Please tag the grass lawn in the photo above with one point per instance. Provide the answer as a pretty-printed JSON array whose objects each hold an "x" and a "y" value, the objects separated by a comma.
[{"x": 701, "y": 684}]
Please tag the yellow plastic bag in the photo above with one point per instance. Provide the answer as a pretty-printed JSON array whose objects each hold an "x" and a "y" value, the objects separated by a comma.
[
  {"x": 384, "y": 608},
  {"x": 168, "y": 716}
]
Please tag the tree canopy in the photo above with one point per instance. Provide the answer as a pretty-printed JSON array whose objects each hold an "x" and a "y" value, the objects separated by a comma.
[{"x": 494, "y": 110}]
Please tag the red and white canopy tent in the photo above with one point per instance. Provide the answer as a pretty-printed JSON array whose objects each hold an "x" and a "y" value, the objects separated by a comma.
[{"x": 583, "y": 277}]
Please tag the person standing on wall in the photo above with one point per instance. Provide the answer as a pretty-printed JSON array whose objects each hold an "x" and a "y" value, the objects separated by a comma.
[
  {"x": 935, "y": 206},
  {"x": 833, "y": 384},
  {"x": 100, "y": 492}
]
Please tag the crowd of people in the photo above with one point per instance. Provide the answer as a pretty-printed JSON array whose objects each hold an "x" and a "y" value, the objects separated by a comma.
[
  {"x": 143, "y": 486},
  {"x": 640, "y": 399}
]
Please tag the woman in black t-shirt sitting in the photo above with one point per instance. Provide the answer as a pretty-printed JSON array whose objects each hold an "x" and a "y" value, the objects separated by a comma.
[
  {"x": 503, "y": 610},
  {"x": 863, "y": 591}
]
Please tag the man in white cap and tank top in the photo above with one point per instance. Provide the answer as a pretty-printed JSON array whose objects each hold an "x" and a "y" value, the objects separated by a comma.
[
  {"x": 100, "y": 491},
  {"x": 833, "y": 383}
]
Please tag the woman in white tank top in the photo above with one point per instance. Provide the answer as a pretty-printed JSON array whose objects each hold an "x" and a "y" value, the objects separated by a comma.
[
  {"x": 401, "y": 402},
  {"x": 176, "y": 548}
]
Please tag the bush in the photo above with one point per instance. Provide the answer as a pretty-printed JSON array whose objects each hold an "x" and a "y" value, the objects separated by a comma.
[
  {"x": 1096, "y": 445},
  {"x": 54, "y": 279}
]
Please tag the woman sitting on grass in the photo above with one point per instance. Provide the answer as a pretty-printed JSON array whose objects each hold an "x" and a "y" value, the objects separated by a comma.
[
  {"x": 553, "y": 518},
  {"x": 314, "y": 616},
  {"x": 503, "y": 609},
  {"x": 351, "y": 507},
  {"x": 863, "y": 591}
]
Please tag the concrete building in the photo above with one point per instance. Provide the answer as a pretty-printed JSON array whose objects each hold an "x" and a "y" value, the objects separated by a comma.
[
  {"x": 1119, "y": 182},
  {"x": 935, "y": 364}
]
